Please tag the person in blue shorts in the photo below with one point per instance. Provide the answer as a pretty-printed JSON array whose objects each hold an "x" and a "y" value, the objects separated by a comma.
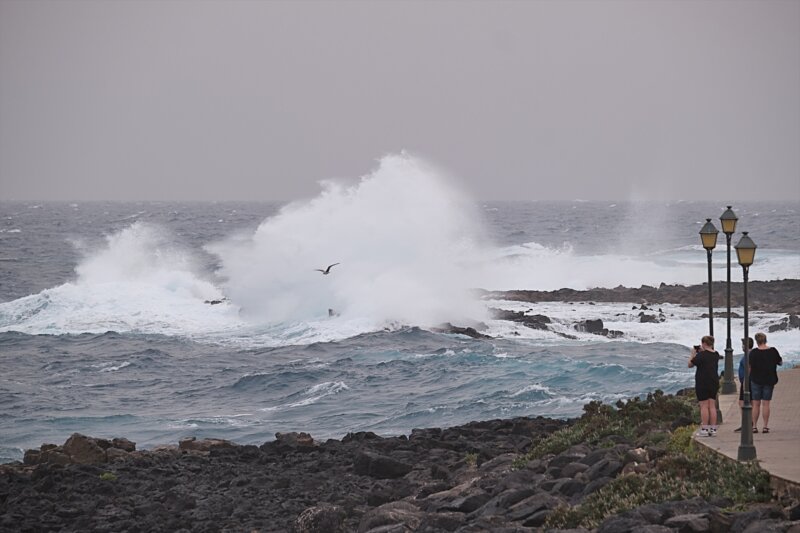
[
  {"x": 764, "y": 361},
  {"x": 746, "y": 347},
  {"x": 706, "y": 383}
]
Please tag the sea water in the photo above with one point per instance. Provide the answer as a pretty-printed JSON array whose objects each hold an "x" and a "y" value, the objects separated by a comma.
[{"x": 156, "y": 321}]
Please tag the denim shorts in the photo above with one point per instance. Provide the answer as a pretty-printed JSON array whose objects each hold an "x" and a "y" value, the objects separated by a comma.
[{"x": 761, "y": 392}]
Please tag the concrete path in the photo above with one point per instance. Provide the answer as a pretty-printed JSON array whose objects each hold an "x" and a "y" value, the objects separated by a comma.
[{"x": 778, "y": 452}]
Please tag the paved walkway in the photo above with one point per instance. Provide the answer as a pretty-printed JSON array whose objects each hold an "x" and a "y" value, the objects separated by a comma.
[{"x": 778, "y": 452}]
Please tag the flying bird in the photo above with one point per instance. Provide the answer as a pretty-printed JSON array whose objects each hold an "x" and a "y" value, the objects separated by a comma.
[{"x": 327, "y": 270}]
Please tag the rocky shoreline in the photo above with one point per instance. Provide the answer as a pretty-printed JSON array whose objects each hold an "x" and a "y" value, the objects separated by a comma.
[
  {"x": 777, "y": 296},
  {"x": 781, "y": 296},
  {"x": 612, "y": 470}
]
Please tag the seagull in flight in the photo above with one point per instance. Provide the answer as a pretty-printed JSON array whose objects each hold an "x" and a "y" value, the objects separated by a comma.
[{"x": 327, "y": 270}]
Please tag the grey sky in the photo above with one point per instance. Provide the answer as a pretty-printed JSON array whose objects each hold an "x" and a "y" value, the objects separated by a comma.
[{"x": 519, "y": 100}]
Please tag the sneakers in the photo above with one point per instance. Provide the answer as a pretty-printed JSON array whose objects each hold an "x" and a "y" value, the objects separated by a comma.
[
  {"x": 707, "y": 432},
  {"x": 738, "y": 430}
]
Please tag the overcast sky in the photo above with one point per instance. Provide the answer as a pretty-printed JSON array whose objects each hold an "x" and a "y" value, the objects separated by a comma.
[{"x": 221, "y": 100}]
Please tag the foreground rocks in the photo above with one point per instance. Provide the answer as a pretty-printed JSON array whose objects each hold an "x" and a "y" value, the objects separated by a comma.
[
  {"x": 456, "y": 479},
  {"x": 80, "y": 449}
]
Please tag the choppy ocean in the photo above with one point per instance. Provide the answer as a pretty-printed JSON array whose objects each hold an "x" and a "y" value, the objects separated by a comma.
[{"x": 106, "y": 329}]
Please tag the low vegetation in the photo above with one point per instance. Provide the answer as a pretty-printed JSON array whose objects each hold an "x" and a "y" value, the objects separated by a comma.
[
  {"x": 683, "y": 469},
  {"x": 636, "y": 419},
  {"x": 686, "y": 471}
]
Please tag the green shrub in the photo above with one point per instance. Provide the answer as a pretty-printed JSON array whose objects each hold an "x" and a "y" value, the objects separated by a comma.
[
  {"x": 682, "y": 442},
  {"x": 655, "y": 438},
  {"x": 471, "y": 459},
  {"x": 687, "y": 471},
  {"x": 600, "y": 420}
]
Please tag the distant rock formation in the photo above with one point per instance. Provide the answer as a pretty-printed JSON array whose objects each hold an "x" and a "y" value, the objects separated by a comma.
[
  {"x": 778, "y": 296},
  {"x": 786, "y": 323}
]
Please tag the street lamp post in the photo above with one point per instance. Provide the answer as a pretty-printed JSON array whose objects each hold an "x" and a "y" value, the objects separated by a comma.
[
  {"x": 728, "y": 221},
  {"x": 746, "y": 252},
  {"x": 708, "y": 236}
]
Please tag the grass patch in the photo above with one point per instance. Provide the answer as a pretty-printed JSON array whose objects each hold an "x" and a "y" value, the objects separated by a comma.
[
  {"x": 687, "y": 470},
  {"x": 628, "y": 419},
  {"x": 680, "y": 442},
  {"x": 684, "y": 469}
]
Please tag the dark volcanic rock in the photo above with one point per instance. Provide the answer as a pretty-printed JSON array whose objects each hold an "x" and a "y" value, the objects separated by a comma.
[
  {"x": 84, "y": 450},
  {"x": 532, "y": 321},
  {"x": 595, "y": 327},
  {"x": 777, "y": 296},
  {"x": 56, "y": 456},
  {"x": 689, "y": 522},
  {"x": 794, "y": 512},
  {"x": 204, "y": 445},
  {"x": 645, "y": 318},
  {"x": 294, "y": 440},
  {"x": 468, "y": 331},
  {"x": 123, "y": 444},
  {"x": 401, "y": 514},
  {"x": 320, "y": 519},
  {"x": 500, "y": 503},
  {"x": 31, "y": 457},
  {"x": 569, "y": 487},
  {"x": 532, "y": 505},
  {"x": 474, "y": 499},
  {"x": 591, "y": 326},
  {"x": 572, "y": 469},
  {"x": 292, "y": 483},
  {"x": 379, "y": 466},
  {"x": 596, "y": 485},
  {"x": 360, "y": 436},
  {"x": 622, "y": 524},
  {"x": 453, "y": 479},
  {"x": 604, "y": 468},
  {"x": 116, "y": 454},
  {"x": 80, "y": 449},
  {"x": 786, "y": 323}
]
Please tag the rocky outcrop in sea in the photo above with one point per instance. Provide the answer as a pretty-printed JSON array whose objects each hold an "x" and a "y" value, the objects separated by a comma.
[
  {"x": 777, "y": 296},
  {"x": 781, "y": 296}
]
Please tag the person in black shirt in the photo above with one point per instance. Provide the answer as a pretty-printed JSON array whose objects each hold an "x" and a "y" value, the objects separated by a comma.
[
  {"x": 764, "y": 361},
  {"x": 706, "y": 383}
]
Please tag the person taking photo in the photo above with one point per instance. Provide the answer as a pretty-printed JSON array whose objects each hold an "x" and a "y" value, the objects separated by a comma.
[{"x": 706, "y": 384}]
